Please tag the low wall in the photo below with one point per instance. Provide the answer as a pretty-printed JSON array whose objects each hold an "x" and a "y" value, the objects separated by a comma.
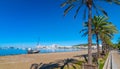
[{"x": 108, "y": 62}]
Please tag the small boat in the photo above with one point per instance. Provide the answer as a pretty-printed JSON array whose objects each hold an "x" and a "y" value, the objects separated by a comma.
[{"x": 31, "y": 51}]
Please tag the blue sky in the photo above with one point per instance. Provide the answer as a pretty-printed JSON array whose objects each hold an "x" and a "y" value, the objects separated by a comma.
[{"x": 23, "y": 22}]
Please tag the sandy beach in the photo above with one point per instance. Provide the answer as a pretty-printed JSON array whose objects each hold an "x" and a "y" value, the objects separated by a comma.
[{"x": 25, "y": 61}]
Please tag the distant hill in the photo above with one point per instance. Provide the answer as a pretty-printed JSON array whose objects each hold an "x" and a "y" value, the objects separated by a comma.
[{"x": 83, "y": 44}]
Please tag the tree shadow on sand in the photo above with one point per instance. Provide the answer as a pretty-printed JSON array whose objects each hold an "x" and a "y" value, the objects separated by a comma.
[
  {"x": 44, "y": 66},
  {"x": 61, "y": 64},
  {"x": 66, "y": 63},
  {"x": 85, "y": 56}
]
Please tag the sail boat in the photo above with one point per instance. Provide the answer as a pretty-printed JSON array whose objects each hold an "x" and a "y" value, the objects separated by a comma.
[{"x": 33, "y": 51}]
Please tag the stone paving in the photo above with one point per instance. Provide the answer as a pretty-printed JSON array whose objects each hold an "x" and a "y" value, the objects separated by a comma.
[{"x": 115, "y": 59}]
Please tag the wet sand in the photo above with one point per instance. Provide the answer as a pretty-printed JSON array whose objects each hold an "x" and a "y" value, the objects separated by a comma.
[{"x": 25, "y": 61}]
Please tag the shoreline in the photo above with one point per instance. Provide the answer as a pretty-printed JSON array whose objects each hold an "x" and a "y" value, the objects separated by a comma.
[
  {"x": 25, "y": 61},
  {"x": 43, "y": 53}
]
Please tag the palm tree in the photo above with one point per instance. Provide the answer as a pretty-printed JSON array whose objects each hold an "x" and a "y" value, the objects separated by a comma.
[
  {"x": 100, "y": 27},
  {"x": 89, "y": 4},
  {"x": 106, "y": 37},
  {"x": 106, "y": 45},
  {"x": 109, "y": 44},
  {"x": 118, "y": 43}
]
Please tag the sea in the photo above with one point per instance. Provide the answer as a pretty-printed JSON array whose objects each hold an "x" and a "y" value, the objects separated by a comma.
[{"x": 16, "y": 51}]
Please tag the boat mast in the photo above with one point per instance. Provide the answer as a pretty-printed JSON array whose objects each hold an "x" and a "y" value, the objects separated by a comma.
[{"x": 38, "y": 42}]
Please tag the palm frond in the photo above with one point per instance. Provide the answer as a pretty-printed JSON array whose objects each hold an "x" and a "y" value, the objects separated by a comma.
[
  {"x": 68, "y": 9},
  {"x": 77, "y": 11},
  {"x": 83, "y": 30},
  {"x": 84, "y": 13},
  {"x": 63, "y": 4},
  {"x": 94, "y": 6},
  {"x": 85, "y": 34},
  {"x": 116, "y": 2}
]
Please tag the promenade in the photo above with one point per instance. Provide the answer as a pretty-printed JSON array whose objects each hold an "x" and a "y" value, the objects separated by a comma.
[{"x": 115, "y": 59}]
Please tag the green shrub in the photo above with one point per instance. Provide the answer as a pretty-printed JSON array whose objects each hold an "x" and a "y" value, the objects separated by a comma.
[{"x": 101, "y": 61}]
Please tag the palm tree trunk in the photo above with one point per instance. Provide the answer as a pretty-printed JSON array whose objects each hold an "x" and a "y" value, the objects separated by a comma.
[
  {"x": 103, "y": 47},
  {"x": 106, "y": 48},
  {"x": 89, "y": 34},
  {"x": 98, "y": 47}
]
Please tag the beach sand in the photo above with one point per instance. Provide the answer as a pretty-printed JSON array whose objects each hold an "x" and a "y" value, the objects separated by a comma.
[{"x": 25, "y": 61}]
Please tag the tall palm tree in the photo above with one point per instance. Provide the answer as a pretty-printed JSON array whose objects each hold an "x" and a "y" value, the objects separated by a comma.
[
  {"x": 101, "y": 28},
  {"x": 118, "y": 44},
  {"x": 106, "y": 37},
  {"x": 106, "y": 44},
  {"x": 89, "y": 4},
  {"x": 109, "y": 44}
]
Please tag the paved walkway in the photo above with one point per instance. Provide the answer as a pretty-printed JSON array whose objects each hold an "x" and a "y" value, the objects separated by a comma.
[{"x": 115, "y": 59}]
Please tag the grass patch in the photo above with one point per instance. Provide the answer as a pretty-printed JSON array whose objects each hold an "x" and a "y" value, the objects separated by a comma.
[{"x": 101, "y": 61}]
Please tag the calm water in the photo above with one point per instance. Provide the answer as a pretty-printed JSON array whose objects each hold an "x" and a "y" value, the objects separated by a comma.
[{"x": 5, "y": 52}]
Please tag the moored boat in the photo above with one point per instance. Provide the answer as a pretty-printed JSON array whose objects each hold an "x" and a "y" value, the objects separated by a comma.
[{"x": 32, "y": 51}]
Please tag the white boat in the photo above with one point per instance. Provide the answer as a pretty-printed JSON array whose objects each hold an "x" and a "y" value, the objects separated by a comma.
[{"x": 31, "y": 51}]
